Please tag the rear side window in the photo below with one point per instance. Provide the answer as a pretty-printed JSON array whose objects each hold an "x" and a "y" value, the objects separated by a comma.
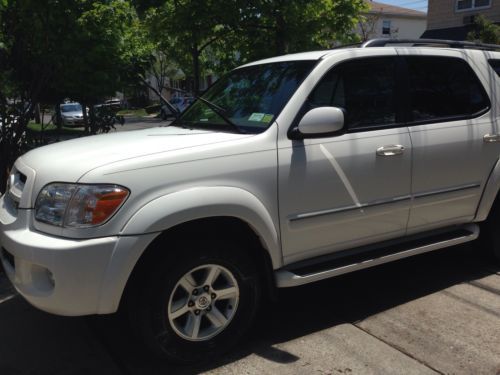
[
  {"x": 364, "y": 88},
  {"x": 443, "y": 88}
]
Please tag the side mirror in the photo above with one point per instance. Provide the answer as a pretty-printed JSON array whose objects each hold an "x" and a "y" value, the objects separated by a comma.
[{"x": 321, "y": 121}]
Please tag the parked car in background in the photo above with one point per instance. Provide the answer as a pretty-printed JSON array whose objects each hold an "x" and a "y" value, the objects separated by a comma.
[
  {"x": 114, "y": 103},
  {"x": 179, "y": 102},
  {"x": 71, "y": 115}
]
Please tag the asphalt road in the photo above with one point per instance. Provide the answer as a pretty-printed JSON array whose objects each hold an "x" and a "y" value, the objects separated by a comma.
[{"x": 434, "y": 313}]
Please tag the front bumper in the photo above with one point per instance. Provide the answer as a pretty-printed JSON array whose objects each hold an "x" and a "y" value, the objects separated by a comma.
[{"x": 66, "y": 276}]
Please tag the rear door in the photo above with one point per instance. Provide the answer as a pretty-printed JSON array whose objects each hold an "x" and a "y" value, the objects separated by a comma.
[{"x": 449, "y": 120}]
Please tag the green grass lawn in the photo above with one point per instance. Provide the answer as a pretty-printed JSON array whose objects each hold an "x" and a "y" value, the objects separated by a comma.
[
  {"x": 133, "y": 112},
  {"x": 52, "y": 129}
]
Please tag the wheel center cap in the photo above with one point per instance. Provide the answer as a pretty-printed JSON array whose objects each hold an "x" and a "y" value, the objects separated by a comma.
[{"x": 203, "y": 301}]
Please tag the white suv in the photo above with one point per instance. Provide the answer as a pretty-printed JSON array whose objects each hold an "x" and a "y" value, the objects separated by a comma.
[{"x": 287, "y": 171}]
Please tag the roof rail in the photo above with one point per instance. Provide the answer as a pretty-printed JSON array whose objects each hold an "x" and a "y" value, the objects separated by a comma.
[{"x": 382, "y": 42}]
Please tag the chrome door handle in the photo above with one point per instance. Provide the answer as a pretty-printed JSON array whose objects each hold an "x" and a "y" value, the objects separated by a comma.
[
  {"x": 489, "y": 138},
  {"x": 390, "y": 150}
]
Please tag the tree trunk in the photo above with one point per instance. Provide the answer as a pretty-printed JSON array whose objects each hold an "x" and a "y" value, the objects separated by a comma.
[
  {"x": 280, "y": 41},
  {"x": 93, "y": 122},
  {"x": 58, "y": 120},
  {"x": 37, "y": 114},
  {"x": 196, "y": 70},
  {"x": 85, "y": 117}
]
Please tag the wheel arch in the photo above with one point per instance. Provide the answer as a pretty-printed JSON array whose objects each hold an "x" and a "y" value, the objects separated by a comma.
[
  {"x": 235, "y": 227},
  {"x": 171, "y": 210},
  {"x": 194, "y": 211}
]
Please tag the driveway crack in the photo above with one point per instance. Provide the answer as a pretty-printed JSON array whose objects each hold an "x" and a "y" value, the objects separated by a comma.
[
  {"x": 399, "y": 349},
  {"x": 487, "y": 288}
]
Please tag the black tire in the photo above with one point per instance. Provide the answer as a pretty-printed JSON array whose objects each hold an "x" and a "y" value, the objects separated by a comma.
[
  {"x": 490, "y": 233},
  {"x": 149, "y": 311}
]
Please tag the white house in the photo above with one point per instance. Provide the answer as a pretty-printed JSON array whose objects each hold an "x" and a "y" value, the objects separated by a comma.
[{"x": 389, "y": 21}]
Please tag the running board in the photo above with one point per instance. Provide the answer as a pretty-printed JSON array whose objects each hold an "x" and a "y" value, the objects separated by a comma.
[{"x": 324, "y": 268}]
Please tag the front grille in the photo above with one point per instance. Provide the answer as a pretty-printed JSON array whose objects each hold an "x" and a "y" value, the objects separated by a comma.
[{"x": 8, "y": 257}]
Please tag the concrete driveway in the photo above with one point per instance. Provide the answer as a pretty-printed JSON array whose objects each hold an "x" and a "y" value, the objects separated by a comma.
[{"x": 435, "y": 313}]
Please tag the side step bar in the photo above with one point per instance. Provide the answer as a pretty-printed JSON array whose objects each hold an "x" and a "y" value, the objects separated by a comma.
[{"x": 324, "y": 267}]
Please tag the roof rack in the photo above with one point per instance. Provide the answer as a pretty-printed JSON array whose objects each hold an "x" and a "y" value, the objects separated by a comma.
[{"x": 382, "y": 42}]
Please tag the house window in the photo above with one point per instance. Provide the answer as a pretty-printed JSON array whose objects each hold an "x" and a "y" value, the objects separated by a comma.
[
  {"x": 386, "y": 27},
  {"x": 464, "y": 5}
]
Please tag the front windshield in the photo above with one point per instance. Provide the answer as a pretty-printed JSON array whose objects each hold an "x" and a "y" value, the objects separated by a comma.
[
  {"x": 71, "y": 108},
  {"x": 251, "y": 97}
]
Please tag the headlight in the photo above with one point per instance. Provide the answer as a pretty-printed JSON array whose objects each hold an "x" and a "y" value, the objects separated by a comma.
[{"x": 75, "y": 205}]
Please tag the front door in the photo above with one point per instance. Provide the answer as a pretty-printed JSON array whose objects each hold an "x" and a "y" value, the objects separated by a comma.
[{"x": 348, "y": 190}]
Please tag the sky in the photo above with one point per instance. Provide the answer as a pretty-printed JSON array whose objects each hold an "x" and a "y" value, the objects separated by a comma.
[{"x": 420, "y": 5}]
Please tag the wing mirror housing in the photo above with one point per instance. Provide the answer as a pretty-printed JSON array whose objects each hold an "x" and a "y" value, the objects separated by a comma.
[{"x": 319, "y": 122}]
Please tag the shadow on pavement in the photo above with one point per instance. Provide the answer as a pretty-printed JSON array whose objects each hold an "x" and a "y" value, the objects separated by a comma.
[
  {"x": 35, "y": 342},
  {"x": 303, "y": 310}
]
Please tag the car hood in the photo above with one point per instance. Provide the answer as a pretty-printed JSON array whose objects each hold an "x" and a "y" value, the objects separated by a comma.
[{"x": 68, "y": 161}]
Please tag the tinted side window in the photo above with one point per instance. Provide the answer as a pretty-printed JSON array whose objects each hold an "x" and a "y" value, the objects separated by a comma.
[
  {"x": 442, "y": 87},
  {"x": 495, "y": 64},
  {"x": 364, "y": 88}
]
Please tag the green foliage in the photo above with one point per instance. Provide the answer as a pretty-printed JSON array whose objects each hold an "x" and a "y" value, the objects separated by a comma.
[
  {"x": 279, "y": 26},
  {"x": 81, "y": 49},
  {"x": 107, "y": 51},
  {"x": 184, "y": 29},
  {"x": 53, "y": 49},
  {"x": 484, "y": 31},
  {"x": 216, "y": 35}
]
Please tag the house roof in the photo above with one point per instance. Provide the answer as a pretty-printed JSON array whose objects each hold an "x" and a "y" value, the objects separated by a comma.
[
  {"x": 392, "y": 10},
  {"x": 450, "y": 33}
]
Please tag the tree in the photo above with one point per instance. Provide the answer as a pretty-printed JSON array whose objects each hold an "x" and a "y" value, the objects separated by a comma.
[
  {"x": 81, "y": 49},
  {"x": 162, "y": 69},
  {"x": 484, "y": 31},
  {"x": 218, "y": 34},
  {"x": 277, "y": 27},
  {"x": 114, "y": 51},
  {"x": 185, "y": 29},
  {"x": 368, "y": 24}
]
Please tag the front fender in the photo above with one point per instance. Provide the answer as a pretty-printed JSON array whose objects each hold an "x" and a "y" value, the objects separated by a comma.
[
  {"x": 204, "y": 202},
  {"x": 489, "y": 194}
]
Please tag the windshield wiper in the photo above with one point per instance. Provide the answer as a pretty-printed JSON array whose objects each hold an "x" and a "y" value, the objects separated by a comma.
[{"x": 221, "y": 112}]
